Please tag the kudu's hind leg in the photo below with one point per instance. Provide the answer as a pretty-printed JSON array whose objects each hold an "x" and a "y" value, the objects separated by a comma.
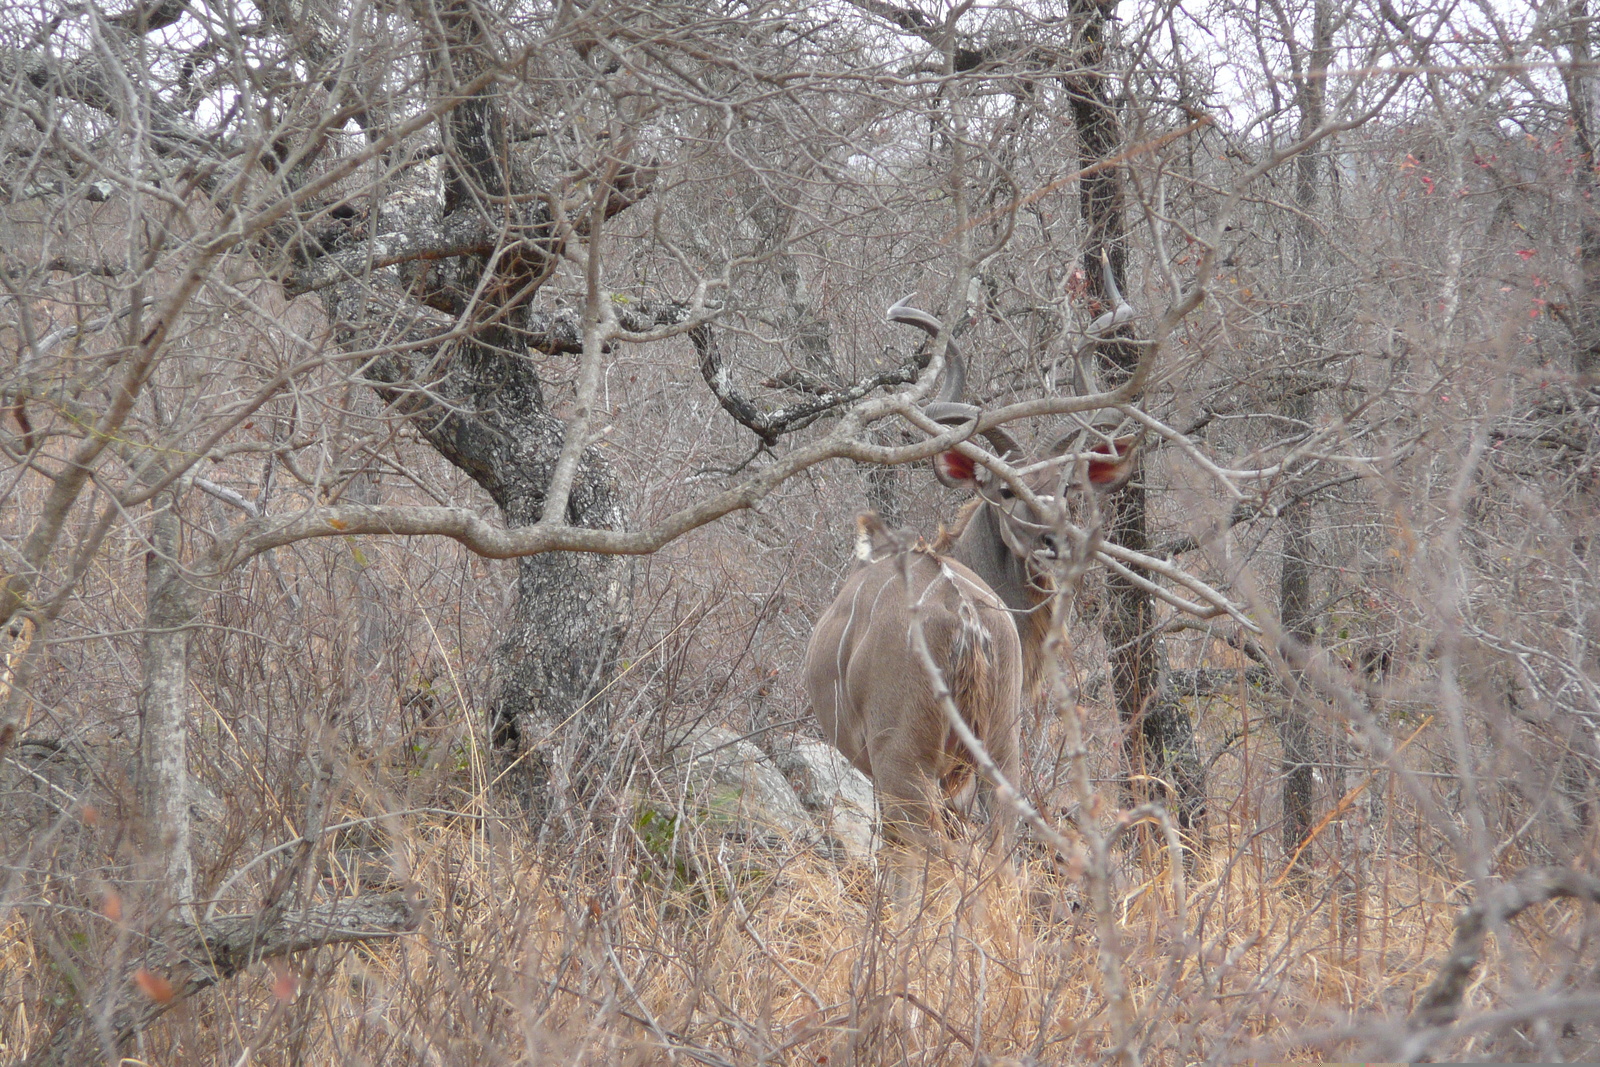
[{"x": 912, "y": 824}]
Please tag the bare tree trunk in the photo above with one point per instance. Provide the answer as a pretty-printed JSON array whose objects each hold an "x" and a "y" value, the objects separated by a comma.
[
  {"x": 488, "y": 415},
  {"x": 1158, "y": 734},
  {"x": 366, "y": 621},
  {"x": 164, "y": 705},
  {"x": 561, "y": 643},
  {"x": 1295, "y": 727},
  {"x": 1583, "y": 96},
  {"x": 1299, "y": 624}
]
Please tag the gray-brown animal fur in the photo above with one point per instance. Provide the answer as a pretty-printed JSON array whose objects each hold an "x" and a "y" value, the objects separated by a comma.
[
  {"x": 981, "y": 595},
  {"x": 875, "y": 701}
]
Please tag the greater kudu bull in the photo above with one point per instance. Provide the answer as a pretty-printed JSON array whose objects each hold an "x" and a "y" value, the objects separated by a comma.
[{"x": 981, "y": 593}]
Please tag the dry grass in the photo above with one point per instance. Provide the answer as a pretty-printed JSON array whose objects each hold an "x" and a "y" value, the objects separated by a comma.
[{"x": 630, "y": 948}]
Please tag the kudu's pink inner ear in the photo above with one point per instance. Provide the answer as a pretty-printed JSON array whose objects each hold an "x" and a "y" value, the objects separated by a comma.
[
  {"x": 1103, "y": 470},
  {"x": 953, "y": 467},
  {"x": 1117, "y": 462}
]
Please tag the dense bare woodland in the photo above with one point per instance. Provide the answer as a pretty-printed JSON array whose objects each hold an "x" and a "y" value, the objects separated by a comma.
[{"x": 431, "y": 431}]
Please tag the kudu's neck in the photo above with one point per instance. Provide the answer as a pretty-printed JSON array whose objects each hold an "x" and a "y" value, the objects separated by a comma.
[{"x": 980, "y": 545}]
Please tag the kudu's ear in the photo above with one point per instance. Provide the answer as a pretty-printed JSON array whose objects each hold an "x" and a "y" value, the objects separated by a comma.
[
  {"x": 956, "y": 470},
  {"x": 1121, "y": 457},
  {"x": 874, "y": 540}
]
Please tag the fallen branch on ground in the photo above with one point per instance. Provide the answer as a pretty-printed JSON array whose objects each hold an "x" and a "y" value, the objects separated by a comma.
[{"x": 196, "y": 959}]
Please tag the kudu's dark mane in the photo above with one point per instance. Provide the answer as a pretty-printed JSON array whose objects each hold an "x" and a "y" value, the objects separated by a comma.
[{"x": 1033, "y": 627}]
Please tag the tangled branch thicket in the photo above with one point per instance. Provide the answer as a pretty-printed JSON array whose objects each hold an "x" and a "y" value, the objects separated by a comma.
[{"x": 431, "y": 430}]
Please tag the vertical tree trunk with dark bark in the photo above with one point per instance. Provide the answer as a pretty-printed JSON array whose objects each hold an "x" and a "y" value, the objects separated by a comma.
[
  {"x": 1158, "y": 733},
  {"x": 562, "y": 640},
  {"x": 1299, "y": 625},
  {"x": 366, "y": 621},
  {"x": 1294, "y": 722},
  {"x": 1583, "y": 97},
  {"x": 561, "y": 645},
  {"x": 559, "y": 650}
]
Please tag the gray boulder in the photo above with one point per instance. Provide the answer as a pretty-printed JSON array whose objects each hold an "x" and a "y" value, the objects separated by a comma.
[
  {"x": 731, "y": 787},
  {"x": 838, "y": 796}
]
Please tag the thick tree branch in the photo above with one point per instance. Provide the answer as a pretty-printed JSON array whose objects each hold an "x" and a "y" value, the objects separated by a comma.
[
  {"x": 219, "y": 950},
  {"x": 148, "y": 17},
  {"x": 487, "y": 539},
  {"x": 462, "y": 233},
  {"x": 772, "y": 424}
]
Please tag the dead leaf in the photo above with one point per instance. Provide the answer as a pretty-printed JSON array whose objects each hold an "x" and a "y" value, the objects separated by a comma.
[{"x": 154, "y": 986}]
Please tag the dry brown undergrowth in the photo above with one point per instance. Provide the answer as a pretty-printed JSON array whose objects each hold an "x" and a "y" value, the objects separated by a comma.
[{"x": 591, "y": 955}]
